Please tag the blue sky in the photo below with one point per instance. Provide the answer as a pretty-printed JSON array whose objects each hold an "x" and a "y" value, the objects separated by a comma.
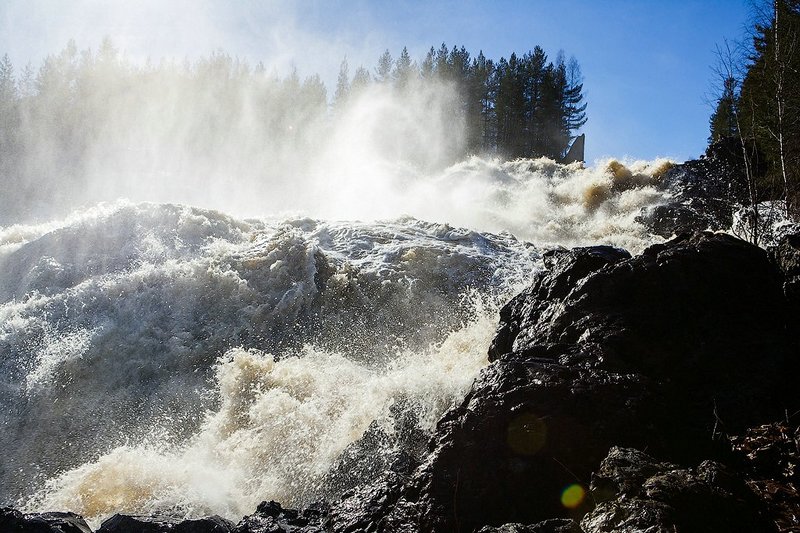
[{"x": 646, "y": 64}]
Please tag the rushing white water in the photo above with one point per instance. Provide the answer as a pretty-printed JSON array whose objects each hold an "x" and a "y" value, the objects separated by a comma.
[{"x": 163, "y": 357}]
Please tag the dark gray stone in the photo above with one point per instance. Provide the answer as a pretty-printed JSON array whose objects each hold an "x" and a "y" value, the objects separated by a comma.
[{"x": 634, "y": 492}]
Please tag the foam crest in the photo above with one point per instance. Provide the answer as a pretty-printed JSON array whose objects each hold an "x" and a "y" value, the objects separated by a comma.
[{"x": 539, "y": 200}]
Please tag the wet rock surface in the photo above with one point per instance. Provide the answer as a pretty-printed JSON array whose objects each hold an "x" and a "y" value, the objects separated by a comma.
[
  {"x": 161, "y": 524},
  {"x": 13, "y": 521},
  {"x": 270, "y": 517},
  {"x": 634, "y": 492},
  {"x": 668, "y": 351},
  {"x": 704, "y": 193},
  {"x": 556, "y": 525},
  {"x": 664, "y": 352},
  {"x": 684, "y": 351}
]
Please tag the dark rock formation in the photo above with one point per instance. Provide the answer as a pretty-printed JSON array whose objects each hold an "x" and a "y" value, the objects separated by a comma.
[
  {"x": 13, "y": 521},
  {"x": 556, "y": 525},
  {"x": 703, "y": 315},
  {"x": 270, "y": 517},
  {"x": 636, "y": 493},
  {"x": 704, "y": 194},
  {"x": 164, "y": 524},
  {"x": 769, "y": 455},
  {"x": 786, "y": 254},
  {"x": 377, "y": 453}
]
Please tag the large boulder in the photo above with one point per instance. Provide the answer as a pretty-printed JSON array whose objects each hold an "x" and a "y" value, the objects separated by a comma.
[{"x": 703, "y": 315}]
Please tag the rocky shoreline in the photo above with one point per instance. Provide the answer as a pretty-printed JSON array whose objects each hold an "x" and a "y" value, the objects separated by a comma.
[{"x": 650, "y": 393}]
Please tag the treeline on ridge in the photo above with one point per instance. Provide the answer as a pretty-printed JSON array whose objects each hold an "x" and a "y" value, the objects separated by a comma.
[
  {"x": 757, "y": 115},
  {"x": 96, "y": 113},
  {"x": 523, "y": 106}
]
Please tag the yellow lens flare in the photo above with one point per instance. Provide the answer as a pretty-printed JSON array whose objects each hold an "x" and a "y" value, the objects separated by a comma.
[{"x": 573, "y": 496}]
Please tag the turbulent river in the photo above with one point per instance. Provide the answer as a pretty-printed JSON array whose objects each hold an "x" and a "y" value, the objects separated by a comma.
[{"x": 162, "y": 357}]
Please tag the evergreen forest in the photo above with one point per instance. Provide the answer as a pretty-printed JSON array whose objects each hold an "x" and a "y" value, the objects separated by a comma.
[{"x": 85, "y": 113}]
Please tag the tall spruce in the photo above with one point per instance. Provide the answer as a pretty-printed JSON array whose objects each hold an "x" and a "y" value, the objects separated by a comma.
[
  {"x": 404, "y": 69},
  {"x": 723, "y": 121},
  {"x": 342, "y": 85},
  {"x": 383, "y": 72}
]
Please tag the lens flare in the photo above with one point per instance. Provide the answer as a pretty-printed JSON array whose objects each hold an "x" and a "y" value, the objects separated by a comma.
[{"x": 573, "y": 496}]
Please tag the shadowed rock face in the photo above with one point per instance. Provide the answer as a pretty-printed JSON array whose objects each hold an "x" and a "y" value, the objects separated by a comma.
[
  {"x": 14, "y": 521},
  {"x": 703, "y": 315},
  {"x": 786, "y": 254},
  {"x": 555, "y": 525},
  {"x": 636, "y": 493}
]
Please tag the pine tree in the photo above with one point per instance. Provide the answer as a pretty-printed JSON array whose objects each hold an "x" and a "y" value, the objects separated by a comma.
[
  {"x": 8, "y": 85},
  {"x": 510, "y": 107},
  {"x": 550, "y": 122},
  {"x": 480, "y": 114},
  {"x": 574, "y": 107},
  {"x": 361, "y": 79},
  {"x": 27, "y": 82},
  {"x": 441, "y": 64},
  {"x": 404, "y": 69},
  {"x": 535, "y": 116},
  {"x": 342, "y": 85},
  {"x": 8, "y": 125},
  {"x": 427, "y": 70},
  {"x": 723, "y": 121},
  {"x": 383, "y": 72}
]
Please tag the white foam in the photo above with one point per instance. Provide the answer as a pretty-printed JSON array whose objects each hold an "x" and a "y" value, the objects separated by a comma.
[{"x": 280, "y": 427}]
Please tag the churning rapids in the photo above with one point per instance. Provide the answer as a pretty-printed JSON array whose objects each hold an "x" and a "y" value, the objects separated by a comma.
[{"x": 165, "y": 357}]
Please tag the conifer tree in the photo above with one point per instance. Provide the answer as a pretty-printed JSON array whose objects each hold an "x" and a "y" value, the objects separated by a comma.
[
  {"x": 480, "y": 112},
  {"x": 361, "y": 79},
  {"x": 723, "y": 121},
  {"x": 428, "y": 66},
  {"x": 404, "y": 69},
  {"x": 537, "y": 118},
  {"x": 8, "y": 85},
  {"x": 342, "y": 85},
  {"x": 574, "y": 106},
  {"x": 383, "y": 72}
]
